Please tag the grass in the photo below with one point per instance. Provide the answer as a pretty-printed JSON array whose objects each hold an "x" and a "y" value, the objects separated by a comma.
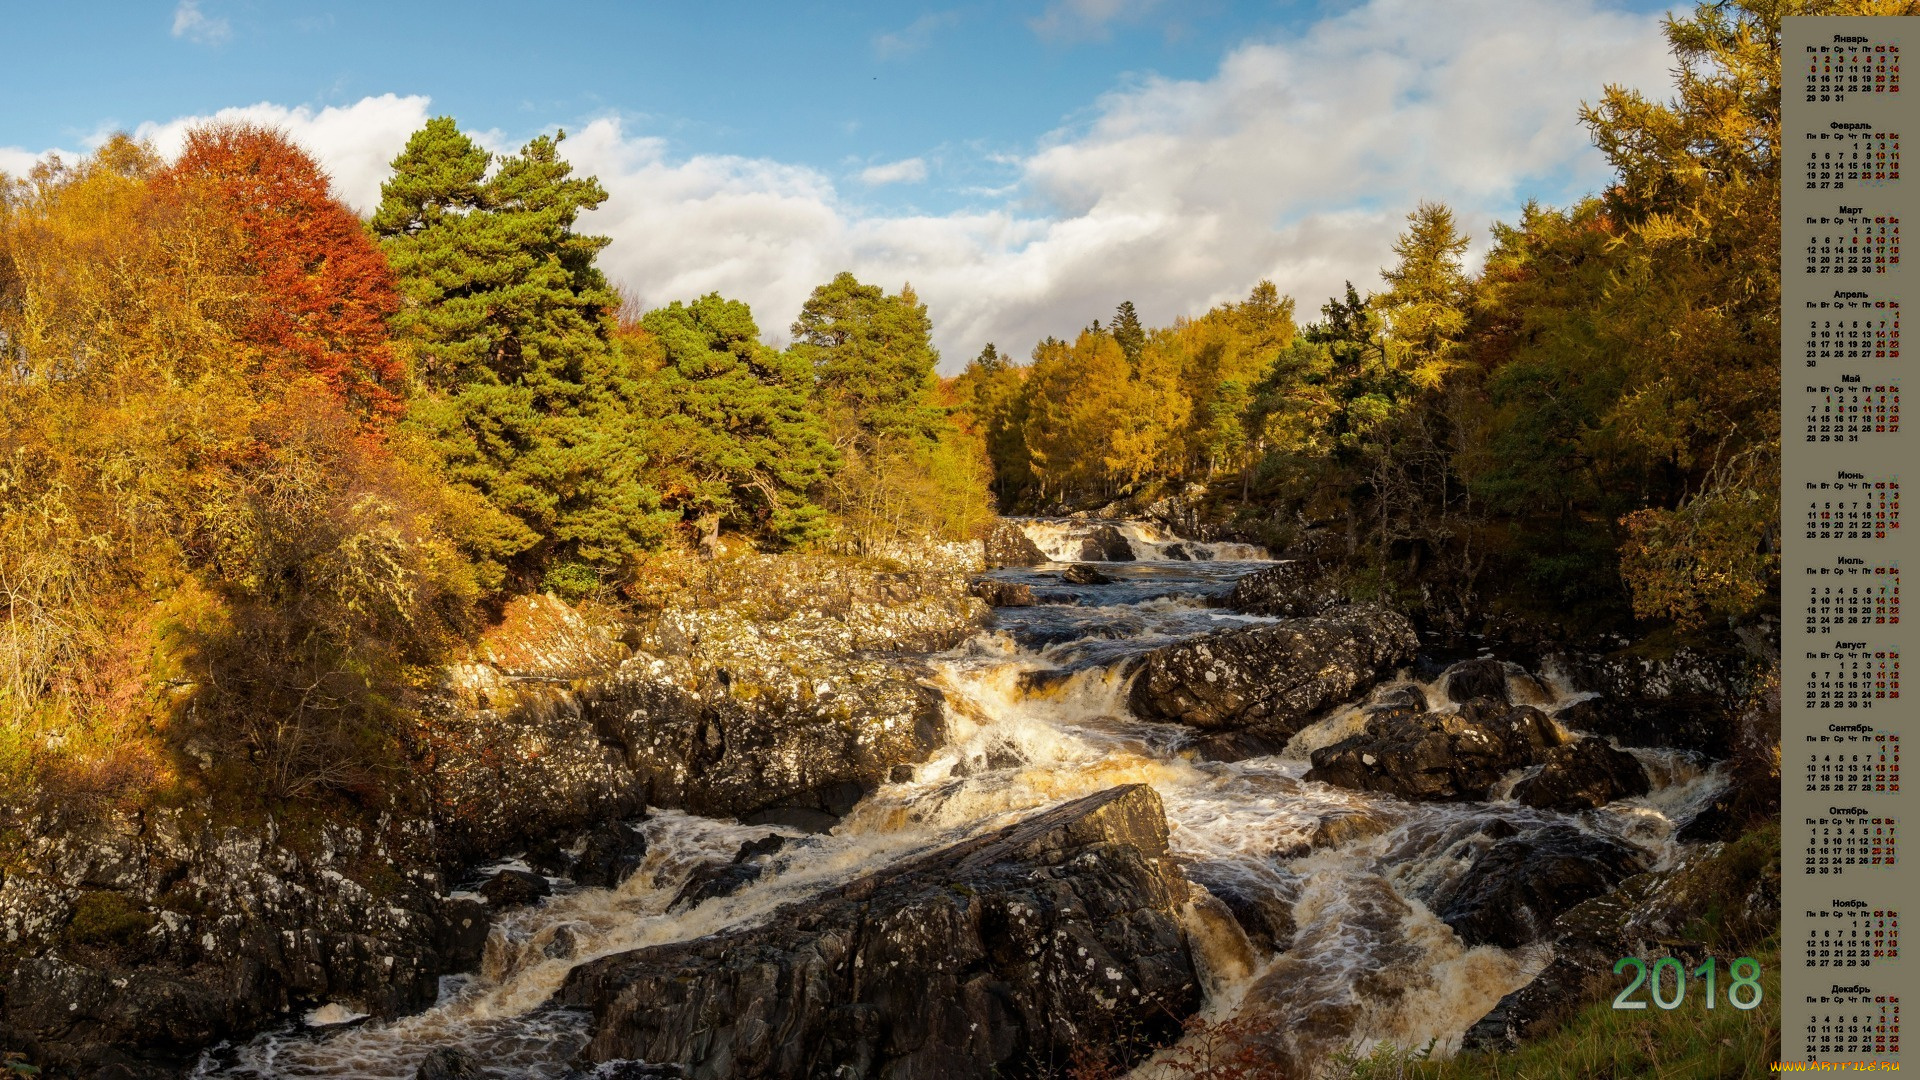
[{"x": 1602, "y": 1043}]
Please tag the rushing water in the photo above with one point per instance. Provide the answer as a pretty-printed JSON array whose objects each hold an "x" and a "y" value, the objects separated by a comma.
[{"x": 1038, "y": 714}]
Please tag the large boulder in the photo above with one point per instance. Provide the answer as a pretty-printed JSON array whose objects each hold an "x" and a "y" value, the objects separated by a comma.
[
  {"x": 1437, "y": 757},
  {"x": 1291, "y": 590},
  {"x": 1581, "y": 775},
  {"x": 1106, "y": 543},
  {"x": 993, "y": 957},
  {"x": 1732, "y": 891},
  {"x": 1473, "y": 680},
  {"x": 1688, "y": 698},
  {"x": 1272, "y": 680},
  {"x": 1517, "y": 887},
  {"x": 1003, "y": 593},
  {"x": 1006, "y": 544}
]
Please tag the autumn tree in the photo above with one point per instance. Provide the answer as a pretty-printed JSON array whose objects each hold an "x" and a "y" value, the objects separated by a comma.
[
  {"x": 324, "y": 290},
  {"x": 186, "y": 493}
]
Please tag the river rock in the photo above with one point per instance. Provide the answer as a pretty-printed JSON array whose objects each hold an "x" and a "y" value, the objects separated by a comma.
[
  {"x": 996, "y": 956},
  {"x": 1291, "y": 590},
  {"x": 609, "y": 855},
  {"x": 1735, "y": 888},
  {"x": 1437, "y": 757},
  {"x": 1687, "y": 698},
  {"x": 448, "y": 1063},
  {"x": 1472, "y": 680},
  {"x": 1516, "y": 888},
  {"x": 1082, "y": 574},
  {"x": 1004, "y": 593},
  {"x": 1106, "y": 543},
  {"x": 1581, "y": 775},
  {"x": 1007, "y": 545},
  {"x": 514, "y": 888},
  {"x": 1272, "y": 680}
]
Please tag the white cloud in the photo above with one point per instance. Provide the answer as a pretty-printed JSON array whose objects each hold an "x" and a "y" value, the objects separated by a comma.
[
  {"x": 910, "y": 171},
  {"x": 355, "y": 142},
  {"x": 1067, "y": 20},
  {"x": 914, "y": 37},
  {"x": 1297, "y": 160},
  {"x": 195, "y": 25}
]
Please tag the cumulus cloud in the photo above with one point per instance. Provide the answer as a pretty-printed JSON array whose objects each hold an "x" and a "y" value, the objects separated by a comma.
[
  {"x": 355, "y": 142},
  {"x": 910, "y": 171},
  {"x": 195, "y": 25},
  {"x": 1296, "y": 160}
]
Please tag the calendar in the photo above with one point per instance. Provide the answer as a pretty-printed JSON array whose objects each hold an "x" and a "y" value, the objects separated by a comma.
[
  {"x": 1854, "y": 596},
  {"x": 1848, "y": 1024},
  {"x": 1842, "y": 70},
  {"x": 1847, "y": 411},
  {"x": 1843, "y": 196},
  {"x": 1849, "y": 157},
  {"x": 1851, "y": 678},
  {"x": 1870, "y": 763},
  {"x": 1852, "y": 507},
  {"x": 1852, "y": 935},
  {"x": 1852, "y": 243},
  {"x": 1853, "y": 327},
  {"x": 1837, "y": 844}
]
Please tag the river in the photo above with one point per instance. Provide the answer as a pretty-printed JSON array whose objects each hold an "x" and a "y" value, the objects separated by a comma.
[{"x": 1037, "y": 711}]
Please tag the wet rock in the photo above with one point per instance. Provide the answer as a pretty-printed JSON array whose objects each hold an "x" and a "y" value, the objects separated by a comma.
[
  {"x": 1582, "y": 775},
  {"x": 1006, "y": 545},
  {"x": 637, "y": 1070},
  {"x": 1290, "y": 590},
  {"x": 1437, "y": 757},
  {"x": 1405, "y": 696},
  {"x": 1264, "y": 913},
  {"x": 754, "y": 849},
  {"x": 710, "y": 881},
  {"x": 1516, "y": 888},
  {"x": 1004, "y": 593},
  {"x": 1471, "y": 680},
  {"x": 1687, "y": 698},
  {"x": 1271, "y": 680},
  {"x": 991, "y": 957},
  {"x": 1178, "y": 552},
  {"x": 448, "y": 1063},
  {"x": 1105, "y": 543},
  {"x": 1649, "y": 915},
  {"x": 609, "y": 855},
  {"x": 1233, "y": 746},
  {"x": 1082, "y": 574},
  {"x": 514, "y": 888}
]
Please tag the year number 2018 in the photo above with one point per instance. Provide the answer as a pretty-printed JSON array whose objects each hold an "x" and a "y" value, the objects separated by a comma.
[{"x": 1666, "y": 982}]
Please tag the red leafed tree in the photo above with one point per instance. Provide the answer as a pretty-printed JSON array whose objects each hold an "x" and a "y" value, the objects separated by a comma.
[{"x": 325, "y": 290}]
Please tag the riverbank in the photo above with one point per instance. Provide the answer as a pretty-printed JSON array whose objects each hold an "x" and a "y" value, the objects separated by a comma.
[
  {"x": 792, "y": 770},
  {"x": 781, "y": 687}
]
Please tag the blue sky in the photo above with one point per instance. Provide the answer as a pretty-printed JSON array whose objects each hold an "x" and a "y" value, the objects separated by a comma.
[{"x": 1026, "y": 166}]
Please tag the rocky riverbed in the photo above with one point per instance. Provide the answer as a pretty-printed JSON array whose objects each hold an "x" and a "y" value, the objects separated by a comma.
[{"x": 857, "y": 826}]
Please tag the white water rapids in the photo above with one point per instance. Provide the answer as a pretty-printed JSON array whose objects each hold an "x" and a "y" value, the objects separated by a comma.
[{"x": 1038, "y": 715}]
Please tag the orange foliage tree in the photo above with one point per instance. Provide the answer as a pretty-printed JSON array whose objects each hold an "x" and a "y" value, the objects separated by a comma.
[{"x": 324, "y": 291}]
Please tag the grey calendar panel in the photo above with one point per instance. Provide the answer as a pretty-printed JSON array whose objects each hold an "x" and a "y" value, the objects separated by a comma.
[{"x": 1845, "y": 452}]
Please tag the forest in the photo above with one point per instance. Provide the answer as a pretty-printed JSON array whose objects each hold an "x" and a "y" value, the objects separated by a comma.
[{"x": 264, "y": 466}]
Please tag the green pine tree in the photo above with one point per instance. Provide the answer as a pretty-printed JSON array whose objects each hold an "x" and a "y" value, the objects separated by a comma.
[
  {"x": 1128, "y": 332},
  {"x": 734, "y": 434},
  {"x": 873, "y": 360},
  {"x": 509, "y": 321}
]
